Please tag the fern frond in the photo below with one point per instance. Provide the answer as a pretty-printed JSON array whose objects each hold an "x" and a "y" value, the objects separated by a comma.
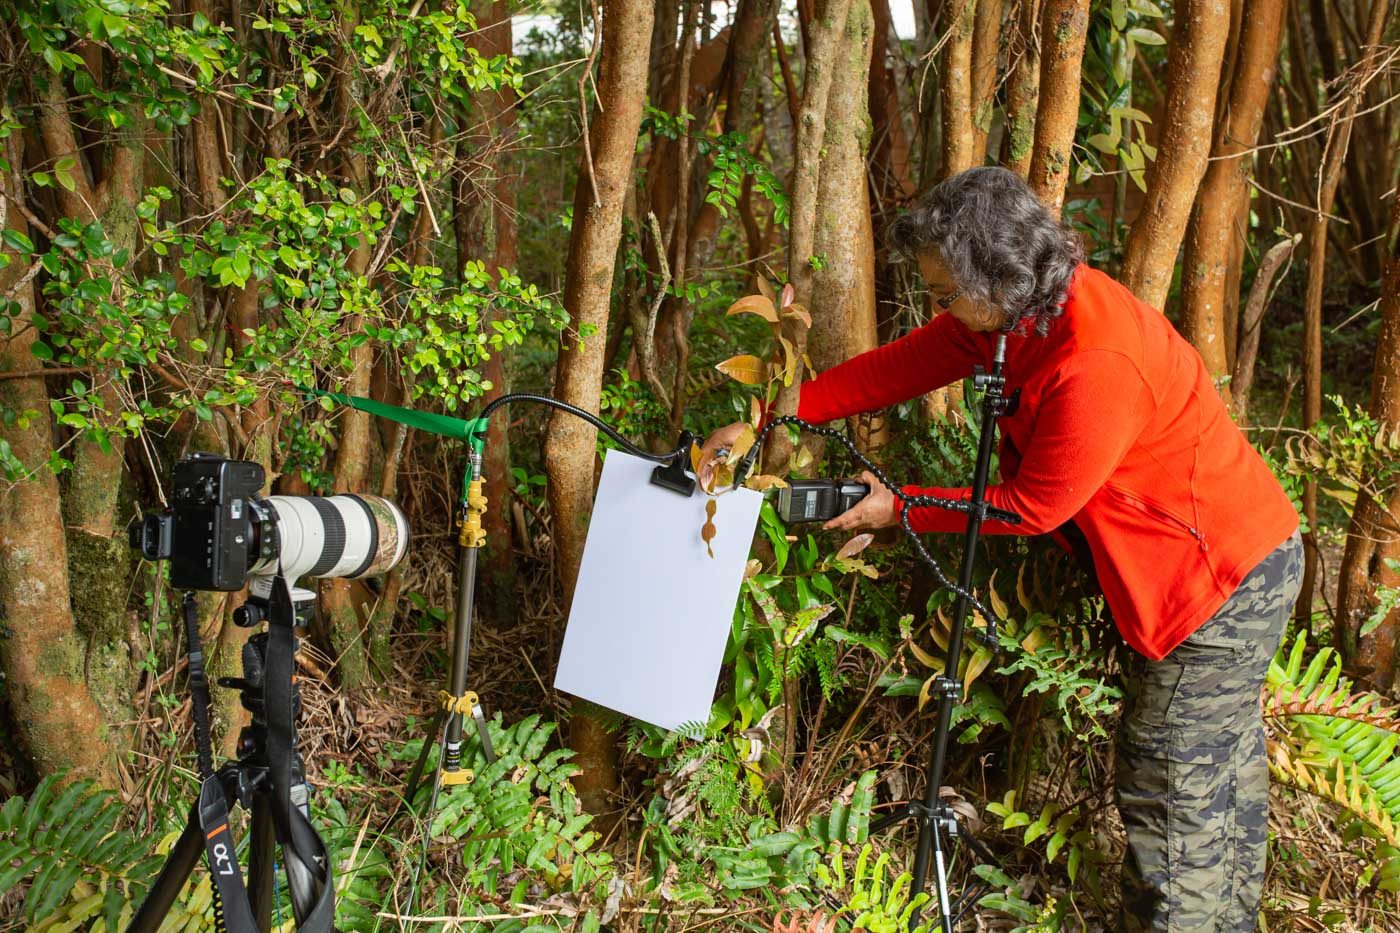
[
  {"x": 1333, "y": 742},
  {"x": 1341, "y": 786},
  {"x": 65, "y": 842},
  {"x": 1328, "y": 701}
]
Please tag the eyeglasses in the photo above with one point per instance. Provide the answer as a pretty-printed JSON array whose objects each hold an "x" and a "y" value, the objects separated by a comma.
[{"x": 947, "y": 301}]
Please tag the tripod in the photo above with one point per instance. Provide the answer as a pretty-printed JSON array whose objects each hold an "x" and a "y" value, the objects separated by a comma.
[
  {"x": 457, "y": 702},
  {"x": 268, "y": 779},
  {"x": 938, "y": 824}
]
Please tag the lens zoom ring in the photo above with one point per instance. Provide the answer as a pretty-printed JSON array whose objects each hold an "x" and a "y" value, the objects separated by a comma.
[
  {"x": 333, "y": 548},
  {"x": 372, "y": 552}
]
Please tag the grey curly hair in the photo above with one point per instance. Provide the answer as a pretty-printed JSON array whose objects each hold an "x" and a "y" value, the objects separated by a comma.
[{"x": 999, "y": 242}]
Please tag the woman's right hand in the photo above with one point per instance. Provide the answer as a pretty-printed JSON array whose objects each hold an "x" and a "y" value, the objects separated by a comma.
[{"x": 721, "y": 439}]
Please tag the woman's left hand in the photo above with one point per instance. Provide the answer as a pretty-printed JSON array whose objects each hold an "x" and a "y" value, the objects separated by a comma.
[{"x": 876, "y": 510}]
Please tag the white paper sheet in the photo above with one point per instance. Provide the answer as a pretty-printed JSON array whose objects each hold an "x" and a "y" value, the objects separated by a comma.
[{"x": 652, "y": 610}]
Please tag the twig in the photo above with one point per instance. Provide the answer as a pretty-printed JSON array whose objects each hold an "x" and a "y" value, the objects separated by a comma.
[
  {"x": 170, "y": 72},
  {"x": 647, "y": 350},
  {"x": 382, "y": 70},
  {"x": 56, "y": 371},
  {"x": 583, "y": 105},
  {"x": 1310, "y": 208},
  {"x": 25, "y": 279},
  {"x": 35, "y": 222},
  {"x": 422, "y": 188}
]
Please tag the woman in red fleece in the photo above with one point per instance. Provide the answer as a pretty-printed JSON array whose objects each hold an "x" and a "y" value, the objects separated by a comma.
[{"x": 1120, "y": 433}]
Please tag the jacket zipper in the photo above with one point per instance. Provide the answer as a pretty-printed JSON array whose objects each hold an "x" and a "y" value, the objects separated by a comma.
[{"x": 1161, "y": 512}]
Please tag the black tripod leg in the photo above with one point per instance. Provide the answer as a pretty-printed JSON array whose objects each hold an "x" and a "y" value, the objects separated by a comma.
[
  {"x": 262, "y": 862},
  {"x": 302, "y": 885},
  {"x": 940, "y": 880},
  {"x": 179, "y": 864},
  {"x": 890, "y": 819},
  {"x": 416, "y": 775},
  {"x": 422, "y": 866}
]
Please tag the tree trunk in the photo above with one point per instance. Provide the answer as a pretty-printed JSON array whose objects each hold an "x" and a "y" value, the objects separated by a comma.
[
  {"x": 98, "y": 558},
  {"x": 1373, "y": 538},
  {"x": 570, "y": 442},
  {"x": 843, "y": 290},
  {"x": 745, "y": 52},
  {"x": 340, "y": 614},
  {"x": 486, "y": 229},
  {"x": 959, "y": 138},
  {"x": 91, "y": 500},
  {"x": 1339, "y": 138},
  {"x": 681, "y": 310},
  {"x": 226, "y": 638},
  {"x": 1193, "y": 77},
  {"x": 928, "y": 95},
  {"x": 43, "y": 656},
  {"x": 892, "y": 174},
  {"x": 1250, "y": 328},
  {"x": 1063, "y": 27},
  {"x": 823, "y": 48},
  {"x": 1023, "y": 94},
  {"x": 986, "y": 46},
  {"x": 1212, "y": 237}
]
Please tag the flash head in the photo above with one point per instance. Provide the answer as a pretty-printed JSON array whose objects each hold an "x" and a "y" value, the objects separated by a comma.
[{"x": 818, "y": 500}]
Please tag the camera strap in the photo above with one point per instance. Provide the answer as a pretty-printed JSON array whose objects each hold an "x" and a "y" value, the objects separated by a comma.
[
  {"x": 303, "y": 842},
  {"x": 231, "y": 908}
]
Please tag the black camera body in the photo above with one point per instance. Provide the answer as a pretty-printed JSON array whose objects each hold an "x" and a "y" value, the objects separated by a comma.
[
  {"x": 818, "y": 500},
  {"x": 219, "y": 534},
  {"x": 215, "y": 528}
]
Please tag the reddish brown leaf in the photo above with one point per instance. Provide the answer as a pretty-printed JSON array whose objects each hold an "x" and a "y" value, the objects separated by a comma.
[
  {"x": 854, "y": 546},
  {"x": 745, "y": 368},
  {"x": 754, "y": 304}
]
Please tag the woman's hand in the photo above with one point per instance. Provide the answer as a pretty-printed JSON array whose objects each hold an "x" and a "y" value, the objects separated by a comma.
[
  {"x": 721, "y": 439},
  {"x": 876, "y": 510}
]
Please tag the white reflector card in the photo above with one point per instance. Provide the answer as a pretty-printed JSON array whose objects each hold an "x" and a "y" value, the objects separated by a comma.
[{"x": 652, "y": 609}]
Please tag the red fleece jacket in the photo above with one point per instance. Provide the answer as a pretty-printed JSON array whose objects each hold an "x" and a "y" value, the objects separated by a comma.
[{"x": 1120, "y": 429}]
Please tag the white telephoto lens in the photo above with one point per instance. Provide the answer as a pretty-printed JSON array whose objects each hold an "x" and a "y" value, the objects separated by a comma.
[{"x": 336, "y": 536}]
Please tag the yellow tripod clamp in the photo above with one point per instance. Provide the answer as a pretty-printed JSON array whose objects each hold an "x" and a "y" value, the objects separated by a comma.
[
  {"x": 464, "y": 705},
  {"x": 472, "y": 534}
]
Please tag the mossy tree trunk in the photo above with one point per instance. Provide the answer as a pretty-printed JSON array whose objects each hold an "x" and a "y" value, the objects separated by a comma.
[
  {"x": 45, "y": 659},
  {"x": 1193, "y": 78},
  {"x": 569, "y": 449},
  {"x": 1023, "y": 91},
  {"x": 1064, "y": 24},
  {"x": 346, "y": 620},
  {"x": 1372, "y": 556},
  {"x": 1329, "y": 179},
  {"x": 824, "y": 36},
  {"x": 484, "y": 218},
  {"x": 1212, "y": 236},
  {"x": 105, "y": 185}
]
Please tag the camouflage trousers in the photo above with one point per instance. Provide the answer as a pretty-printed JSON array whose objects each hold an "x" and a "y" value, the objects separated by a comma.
[{"x": 1193, "y": 779}]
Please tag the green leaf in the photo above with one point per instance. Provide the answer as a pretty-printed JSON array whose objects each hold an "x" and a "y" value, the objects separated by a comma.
[
  {"x": 63, "y": 171},
  {"x": 836, "y": 633},
  {"x": 1015, "y": 820},
  {"x": 18, "y": 242},
  {"x": 1144, "y": 36}
]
